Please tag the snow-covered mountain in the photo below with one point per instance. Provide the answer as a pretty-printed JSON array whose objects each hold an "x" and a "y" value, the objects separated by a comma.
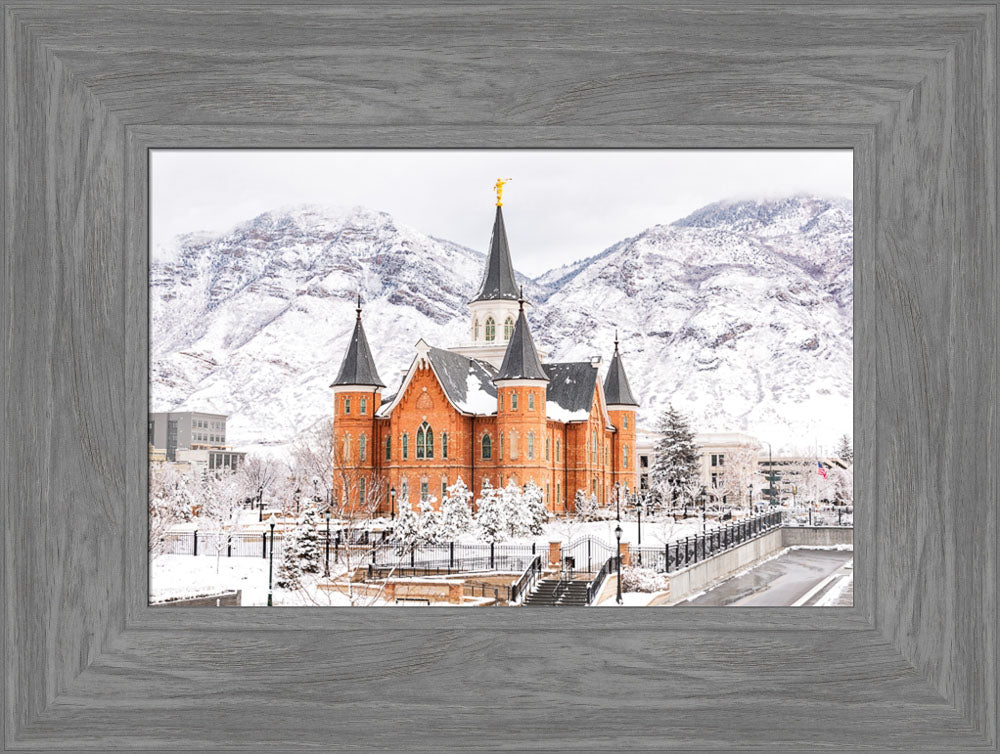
[{"x": 740, "y": 314}]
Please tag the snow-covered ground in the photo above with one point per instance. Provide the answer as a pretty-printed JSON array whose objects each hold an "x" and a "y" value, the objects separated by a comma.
[{"x": 188, "y": 575}]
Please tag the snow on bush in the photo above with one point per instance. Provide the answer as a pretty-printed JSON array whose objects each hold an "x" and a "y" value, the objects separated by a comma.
[
  {"x": 301, "y": 554},
  {"x": 637, "y": 579}
]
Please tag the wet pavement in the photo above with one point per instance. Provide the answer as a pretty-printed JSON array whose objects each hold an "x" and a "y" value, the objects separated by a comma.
[{"x": 797, "y": 578}]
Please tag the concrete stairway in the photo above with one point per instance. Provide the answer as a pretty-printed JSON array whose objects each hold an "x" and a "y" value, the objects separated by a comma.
[{"x": 548, "y": 593}]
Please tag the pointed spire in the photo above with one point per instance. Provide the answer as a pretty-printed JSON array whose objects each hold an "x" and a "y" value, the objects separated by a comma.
[
  {"x": 498, "y": 278},
  {"x": 358, "y": 366},
  {"x": 521, "y": 361},
  {"x": 617, "y": 391}
]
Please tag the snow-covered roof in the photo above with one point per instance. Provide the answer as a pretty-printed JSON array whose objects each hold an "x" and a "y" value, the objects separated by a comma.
[
  {"x": 570, "y": 390},
  {"x": 468, "y": 383}
]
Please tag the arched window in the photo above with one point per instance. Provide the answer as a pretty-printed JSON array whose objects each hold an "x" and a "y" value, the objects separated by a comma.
[
  {"x": 424, "y": 491},
  {"x": 547, "y": 445},
  {"x": 363, "y": 447},
  {"x": 364, "y": 406},
  {"x": 404, "y": 491},
  {"x": 444, "y": 444},
  {"x": 491, "y": 329},
  {"x": 487, "y": 447},
  {"x": 425, "y": 441},
  {"x": 406, "y": 445},
  {"x": 558, "y": 450},
  {"x": 625, "y": 456},
  {"x": 508, "y": 328},
  {"x": 500, "y": 437},
  {"x": 531, "y": 445},
  {"x": 363, "y": 495},
  {"x": 388, "y": 448},
  {"x": 531, "y": 401},
  {"x": 347, "y": 405},
  {"x": 513, "y": 401},
  {"x": 347, "y": 448},
  {"x": 475, "y": 329}
]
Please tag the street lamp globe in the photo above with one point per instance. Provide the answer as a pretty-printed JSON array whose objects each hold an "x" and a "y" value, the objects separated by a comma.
[{"x": 618, "y": 532}]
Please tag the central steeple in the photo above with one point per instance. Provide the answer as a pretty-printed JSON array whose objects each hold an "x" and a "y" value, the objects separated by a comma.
[{"x": 498, "y": 279}]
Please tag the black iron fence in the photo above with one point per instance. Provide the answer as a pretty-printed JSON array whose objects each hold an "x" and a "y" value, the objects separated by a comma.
[{"x": 690, "y": 550}]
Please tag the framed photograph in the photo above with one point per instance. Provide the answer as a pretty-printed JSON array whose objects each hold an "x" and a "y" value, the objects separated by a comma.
[
  {"x": 347, "y": 411},
  {"x": 146, "y": 352}
]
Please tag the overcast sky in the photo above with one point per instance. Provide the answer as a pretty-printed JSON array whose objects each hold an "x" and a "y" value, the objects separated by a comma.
[{"x": 560, "y": 206}]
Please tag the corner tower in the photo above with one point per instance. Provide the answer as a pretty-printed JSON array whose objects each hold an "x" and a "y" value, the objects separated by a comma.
[
  {"x": 522, "y": 386},
  {"x": 622, "y": 407},
  {"x": 357, "y": 395}
]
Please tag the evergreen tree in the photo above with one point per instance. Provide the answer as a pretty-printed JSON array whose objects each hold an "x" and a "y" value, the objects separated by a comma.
[
  {"x": 406, "y": 530},
  {"x": 585, "y": 506},
  {"x": 516, "y": 516},
  {"x": 675, "y": 464},
  {"x": 844, "y": 450},
  {"x": 301, "y": 555},
  {"x": 491, "y": 518},
  {"x": 429, "y": 524},
  {"x": 456, "y": 513},
  {"x": 534, "y": 508}
]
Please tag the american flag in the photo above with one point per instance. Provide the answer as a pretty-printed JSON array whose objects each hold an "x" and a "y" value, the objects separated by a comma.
[{"x": 821, "y": 471}]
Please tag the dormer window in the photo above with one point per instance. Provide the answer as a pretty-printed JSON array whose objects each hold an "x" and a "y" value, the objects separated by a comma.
[
  {"x": 491, "y": 329},
  {"x": 508, "y": 328}
]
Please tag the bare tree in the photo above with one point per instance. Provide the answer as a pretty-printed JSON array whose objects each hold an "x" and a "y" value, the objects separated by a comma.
[
  {"x": 739, "y": 474},
  {"x": 257, "y": 475},
  {"x": 171, "y": 501},
  {"x": 221, "y": 505}
]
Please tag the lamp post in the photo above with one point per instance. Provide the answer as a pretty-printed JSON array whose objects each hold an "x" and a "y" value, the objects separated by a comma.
[
  {"x": 750, "y": 497},
  {"x": 618, "y": 536},
  {"x": 638, "y": 515},
  {"x": 618, "y": 501},
  {"x": 270, "y": 564},
  {"x": 392, "y": 498},
  {"x": 704, "y": 506},
  {"x": 326, "y": 570}
]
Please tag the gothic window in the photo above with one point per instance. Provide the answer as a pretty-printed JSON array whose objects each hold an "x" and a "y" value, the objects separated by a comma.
[
  {"x": 491, "y": 329},
  {"x": 388, "y": 448},
  {"x": 347, "y": 405},
  {"x": 531, "y": 401},
  {"x": 363, "y": 496},
  {"x": 425, "y": 441},
  {"x": 444, "y": 444},
  {"x": 487, "y": 450},
  {"x": 406, "y": 446},
  {"x": 363, "y": 447},
  {"x": 531, "y": 445},
  {"x": 558, "y": 450},
  {"x": 404, "y": 491},
  {"x": 364, "y": 406},
  {"x": 475, "y": 329},
  {"x": 508, "y": 328},
  {"x": 513, "y": 401}
]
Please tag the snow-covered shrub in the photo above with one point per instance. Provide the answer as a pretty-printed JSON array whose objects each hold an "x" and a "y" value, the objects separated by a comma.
[
  {"x": 456, "y": 513},
  {"x": 638, "y": 579},
  {"x": 586, "y": 506},
  {"x": 491, "y": 517}
]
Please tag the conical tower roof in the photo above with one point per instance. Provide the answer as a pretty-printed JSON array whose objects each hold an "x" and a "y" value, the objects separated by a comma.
[
  {"x": 616, "y": 388},
  {"x": 498, "y": 280},
  {"x": 358, "y": 366},
  {"x": 521, "y": 361}
]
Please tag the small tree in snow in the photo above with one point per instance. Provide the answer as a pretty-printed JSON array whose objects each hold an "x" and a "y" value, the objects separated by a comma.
[
  {"x": 638, "y": 579},
  {"x": 843, "y": 485},
  {"x": 845, "y": 452},
  {"x": 585, "y": 505},
  {"x": 534, "y": 508},
  {"x": 171, "y": 500},
  {"x": 406, "y": 531},
  {"x": 430, "y": 530},
  {"x": 221, "y": 503},
  {"x": 491, "y": 516},
  {"x": 456, "y": 512},
  {"x": 301, "y": 555},
  {"x": 675, "y": 462}
]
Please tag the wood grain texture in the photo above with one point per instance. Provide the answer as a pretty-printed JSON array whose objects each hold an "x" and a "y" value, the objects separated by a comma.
[{"x": 89, "y": 88}]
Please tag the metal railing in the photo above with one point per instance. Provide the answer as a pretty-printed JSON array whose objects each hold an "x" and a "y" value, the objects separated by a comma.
[
  {"x": 595, "y": 584},
  {"x": 690, "y": 550},
  {"x": 524, "y": 584}
]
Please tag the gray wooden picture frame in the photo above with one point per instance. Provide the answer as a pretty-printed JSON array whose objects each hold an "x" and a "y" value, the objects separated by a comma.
[{"x": 90, "y": 87}]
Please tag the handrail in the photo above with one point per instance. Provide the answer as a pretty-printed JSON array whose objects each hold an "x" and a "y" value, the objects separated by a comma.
[
  {"x": 598, "y": 580},
  {"x": 520, "y": 587}
]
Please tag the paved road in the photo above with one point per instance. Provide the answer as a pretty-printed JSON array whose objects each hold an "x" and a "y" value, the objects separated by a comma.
[{"x": 799, "y": 577}]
